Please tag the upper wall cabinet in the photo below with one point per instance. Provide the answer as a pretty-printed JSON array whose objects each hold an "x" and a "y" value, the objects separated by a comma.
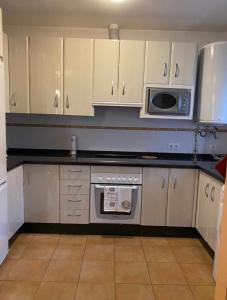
[
  {"x": 118, "y": 72},
  {"x": 170, "y": 63},
  {"x": 18, "y": 74},
  {"x": 6, "y": 70},
  {"x": 46, "y": 75},
  {"x": 78, "y": 76}
]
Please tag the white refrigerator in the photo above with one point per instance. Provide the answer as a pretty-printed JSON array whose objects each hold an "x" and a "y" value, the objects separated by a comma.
[{"x": 3, "y": 172}]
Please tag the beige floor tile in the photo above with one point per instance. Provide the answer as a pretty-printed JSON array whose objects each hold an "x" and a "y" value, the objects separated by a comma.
[
  {"x": 134, "y": 292},
  {"x": 191, "y": 255},
  {"x": 184, "y": 242},
  {"x": 127, "y": 241},
  {"x": 172, "y": 292},
  {"x": 56, "y": 291},
  {"x": 63, "y": 271},
  {"x": 131, "y": 272},
  {"x": 154, "y": 241},
  {"x": 203, "y": 292},
  {"x": 88, "y": 291},
  {"x": 198, "y": 274},
  {"x": 159, "y": 254},
  {"x": 166, "y": 273},
  {"x": 73, "y": 239},
  {"x": 25, "y": 270},
  {"x": 99, "y": 252},
  {"x": 97, "y": 272},
  {"x": 46, "y": 238},
  {"x": 129, "y": 253},
  {"x": 24, "y": 238},
  {"x": 17, "y": 249},
  {"x": 6, "y": 267},
  {"x": 69, "y": 252},
  {"x": 39, "y": 251},
  {"x": 100, "y": 239},
  {"x": 18, "y": 290}
]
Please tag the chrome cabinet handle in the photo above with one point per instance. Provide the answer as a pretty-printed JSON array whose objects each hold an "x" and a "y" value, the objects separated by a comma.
[
  {"x": 123, "y": 89},
  {"x": 70, "y": 200},
  {"x": 112, "y": 88},
  {"x": 165, "y": 70},
  {"x": 67, "y": 101},
  {"x": 212, "y": 194},
  {"x": 13, "y": 100},
  {"x": 75, "y": 171},
  {"x": 70, "y": 215},
  {"x": 177, "y": 71},
  {"x": 174, "y": 183},
  {"x": 206, "y": 190},
  {"x": 163, "y": 182},
  {"x": 73, "y": 185},
  {"x": 56, "y": 101}
]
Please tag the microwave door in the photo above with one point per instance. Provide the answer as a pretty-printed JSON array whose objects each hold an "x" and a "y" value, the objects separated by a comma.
[{"x": 163, "y": 103}]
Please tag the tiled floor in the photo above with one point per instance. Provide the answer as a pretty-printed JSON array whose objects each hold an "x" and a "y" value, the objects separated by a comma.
[{"x": 74, "y": 267}]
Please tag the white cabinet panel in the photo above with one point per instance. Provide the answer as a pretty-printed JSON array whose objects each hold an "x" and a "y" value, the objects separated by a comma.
[
  {"x": 15, "y": 198},
  {"x": 75, "y": 187},
  {"x": 6, "y": 70},
  {"x": 183, "y": 64},
  {"x": 41, "y": 193},
  {"x": 75, "y": 172},
  {"x": 1, "y": 35},
  {"x": 18, "y": 74},
  {"x": 154, "y": 196},
  {"x": 46, "y": 75},
  {"x": 131, "y": 72},
  {"x": 78, "y": 76},
  {"x": 106, "y": 59},
  {"x": 157, "y": 62},
  {"x": 181, "y": 197}
]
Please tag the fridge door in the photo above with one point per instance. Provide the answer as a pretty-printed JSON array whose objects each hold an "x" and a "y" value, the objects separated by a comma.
[
  {"x": 3, "y": 171},
  {"x": 3, "y": 222}
]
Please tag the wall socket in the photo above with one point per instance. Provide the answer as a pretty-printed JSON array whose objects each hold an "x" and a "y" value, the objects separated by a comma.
[{"x": 173, "y": 146}]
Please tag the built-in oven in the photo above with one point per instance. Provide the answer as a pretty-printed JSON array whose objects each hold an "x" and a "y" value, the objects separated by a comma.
[
  {"x": 168, "y": 101},
  {"x": 116, "y": 197}
]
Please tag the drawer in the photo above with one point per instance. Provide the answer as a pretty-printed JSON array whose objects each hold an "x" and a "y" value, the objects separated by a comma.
[
  {"x": 74, "y": 216},
  {"x": 74, "y": 187},
  {"x": 74, "y": 202},
  {"x": 75, "y": 172}
]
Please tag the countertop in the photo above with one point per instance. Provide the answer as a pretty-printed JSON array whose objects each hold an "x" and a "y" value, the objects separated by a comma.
[{"x": 17, "y": 158}]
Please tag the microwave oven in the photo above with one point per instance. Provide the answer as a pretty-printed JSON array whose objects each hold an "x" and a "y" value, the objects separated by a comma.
[{"x": 168, "y": 101}]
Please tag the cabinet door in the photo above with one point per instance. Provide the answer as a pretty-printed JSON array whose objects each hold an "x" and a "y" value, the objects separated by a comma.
[
  {"x": 6, "y": 71},
  {"x": 131, "y": 72},
  {"x": 106, "y": 59},
  {"x": 18, "y": 74},
  {"x": 78, "y": 74},
  {"x": 154, "y": 196},
  {"x": 46, "y": 75},
  {"x": 15, "y": 200},
  {"x": 157, "y": 63},
  {"x": 181, "y": 195},
  {"x": 41, "y": 193},
  {"x": 183, "y": 64},
  {"x": 1, "y": 35}
]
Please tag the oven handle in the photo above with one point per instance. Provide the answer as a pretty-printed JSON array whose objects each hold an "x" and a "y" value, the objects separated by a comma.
[{"x": 99, "y": 186}]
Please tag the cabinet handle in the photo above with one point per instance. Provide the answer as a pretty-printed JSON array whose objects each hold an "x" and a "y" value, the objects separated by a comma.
[
  {"x": 212, "y": 194},
  {"x": 67, "y": 101},
  {"x": 177, "y": 71},
  {"x": 56, "y": 101},
  {"x": 112, "y": 88},
  {"x": 206, "y": 190},
  {"x": 163, "y": 182},
  {"x": 70, "y": 215},
  {"x": 165, "y": 70},
  {"x": 13, "y": 100},
  {"x": 174, "y": 183},
  {"x": 73, "y": 185},
  {"x": 70, "y": 200},
  {"x": 123, "y": 89},
  {"x": 75, "y": 171}
]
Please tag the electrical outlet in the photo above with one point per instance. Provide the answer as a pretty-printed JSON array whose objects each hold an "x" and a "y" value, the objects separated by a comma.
[
  {"x": 173, "y": 146},
  {"x": 170, "y": 146}
]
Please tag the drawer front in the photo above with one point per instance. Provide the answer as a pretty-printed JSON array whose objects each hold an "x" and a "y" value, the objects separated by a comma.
[
  {"x": 74, "y": 216},
  {"x": 74, "y": 202},
  {"x": 75, "y": 172},
  {"x": 74, "y": 187}
]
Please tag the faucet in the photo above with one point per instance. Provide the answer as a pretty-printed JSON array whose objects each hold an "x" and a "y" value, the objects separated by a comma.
[{"x": 74, "y": 146}]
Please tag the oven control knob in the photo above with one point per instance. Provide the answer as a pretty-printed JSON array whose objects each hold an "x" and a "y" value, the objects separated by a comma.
[
  {"x": 135, "y": 179},
  {"x": 113, "y": 178},
  {"x": 108, "y": 178},
  {"x": 130, "y": 179},
  {"x": 124, "y": 179},
  {"x": 119, "y": 178},
  {"x": 100, "y": 178}
]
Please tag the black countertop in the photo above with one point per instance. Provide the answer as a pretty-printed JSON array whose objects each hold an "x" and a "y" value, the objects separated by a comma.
[{"x": 164, "y": 160}]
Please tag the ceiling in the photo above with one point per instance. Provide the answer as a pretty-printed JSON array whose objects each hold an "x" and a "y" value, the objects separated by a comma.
[{"x": 200, "y": 15}]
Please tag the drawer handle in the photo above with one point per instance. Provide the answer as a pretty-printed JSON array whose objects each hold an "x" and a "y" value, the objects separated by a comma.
[
  {"x": 75, "y": 171},
  {"x": 73, "y": 185},
  {"x": 74, "y": 200},
  {"x": 69, "y": 215}
]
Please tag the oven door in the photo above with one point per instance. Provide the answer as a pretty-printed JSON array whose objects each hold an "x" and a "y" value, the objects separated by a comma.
[{"x": 98, "y": 215}]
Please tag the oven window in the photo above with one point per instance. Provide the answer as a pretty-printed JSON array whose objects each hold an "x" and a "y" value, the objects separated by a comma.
[
  {"x": 102, "y": 212},
  {"x": 164, "y": 101}
]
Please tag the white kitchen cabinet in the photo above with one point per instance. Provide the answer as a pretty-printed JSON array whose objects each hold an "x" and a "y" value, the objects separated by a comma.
[
  {"x": 183, "y": 64},
  {"x": 46, "y": 75},
  {"x": 6, "y": 70},
  {"x": 181, "y": 197},
  {"x": 15, "y": 198},
  {"x": 118, "y": 72},
  {"x": 154, "y": 196},
  {"x": 207, "y": 208},
  {"x": 78, "y": 76},
  {"x": 106, "y": 59},
  {"x": 1, "y": 35},
  {"x": 41, "y": 193},
  {"x": 131, "y": 72},
  {"x": 18, "y": 74},
  {"x": 157, "y": 66}
]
